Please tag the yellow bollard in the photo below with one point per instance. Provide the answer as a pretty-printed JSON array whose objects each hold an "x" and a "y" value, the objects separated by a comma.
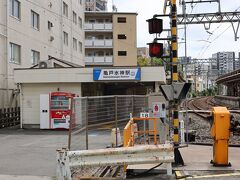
[{"x": 220, "y": 133}]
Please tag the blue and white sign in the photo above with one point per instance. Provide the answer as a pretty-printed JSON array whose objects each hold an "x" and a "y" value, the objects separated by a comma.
[{"x": 116, "y": 74}]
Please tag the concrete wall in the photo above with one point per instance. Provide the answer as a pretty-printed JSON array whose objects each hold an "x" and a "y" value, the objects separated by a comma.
[
  {"x": 129, "y": 44},
  {"x": 230, "y": 101},
  {"x": 74, "y": 75},
  {"x": 21, "y": 32},
  {"x": 30, "y": 99}
]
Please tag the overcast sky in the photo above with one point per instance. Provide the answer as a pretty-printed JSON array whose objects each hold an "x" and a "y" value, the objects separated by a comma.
[{"x": 200, "y": 44}]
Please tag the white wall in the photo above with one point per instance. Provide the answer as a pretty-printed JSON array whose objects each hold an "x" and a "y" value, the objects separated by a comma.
[
  {"x": 30, "y": 99},
  {"x": 20, "y": 31}
]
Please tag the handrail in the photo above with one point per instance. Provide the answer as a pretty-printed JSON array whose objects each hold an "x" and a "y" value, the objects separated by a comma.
[{"x": 128, "y": 133}]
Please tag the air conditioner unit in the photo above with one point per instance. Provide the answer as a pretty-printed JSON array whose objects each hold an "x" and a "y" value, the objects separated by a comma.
[{"x": 45, "y": 64}]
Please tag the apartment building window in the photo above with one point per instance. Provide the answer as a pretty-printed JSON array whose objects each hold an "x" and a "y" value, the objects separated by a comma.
[
  {"x": 122, "y": 36},
  {"x": 65, "y": 9},
  {"x": 74, "y": 18},
  {"x": 65, "y": 38},
  {"x": 74, "y": 43},
  {"x": 35, "y": 20},
  {"x": 122, "y": 20},
  {"x": 122, "y": 53},
  {"x": 80, "y": 46},
  {"x": 15, "y": 53},
  {"x": 35, "y": 57},
  {"x": 14, "y": 8},
  {"x": 80, "y": 1},
  {"x": 80, "y": 22}
]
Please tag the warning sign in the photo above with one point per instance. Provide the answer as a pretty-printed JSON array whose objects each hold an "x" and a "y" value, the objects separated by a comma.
[
  {"x": 159, "y": 109},
  {"x": 156, "y": 108}
]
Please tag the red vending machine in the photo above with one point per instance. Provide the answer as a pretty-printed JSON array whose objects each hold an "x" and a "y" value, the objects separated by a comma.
[{"x": 55, "y": 110}]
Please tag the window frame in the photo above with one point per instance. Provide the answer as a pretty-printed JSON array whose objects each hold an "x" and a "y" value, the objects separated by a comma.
[
  {"x": 11, "y": 58},
  {"x": 122, "y": 53},
  {"x": 122, "y": 36},
  {"x": 80, "y": 22},
  {"x": 74, "y": 14},
  {"x": 80, "y": 46},
  {"x": 33, "y": 52},
  {"x": 122, "y": 20},
  {"x": 74, "y": 46},
  {"x": 65, "y": 9},
  {"x": 33, "y": 15},
  {"x": 12, "y": 9},
  {"x": 65, "y": 38}
]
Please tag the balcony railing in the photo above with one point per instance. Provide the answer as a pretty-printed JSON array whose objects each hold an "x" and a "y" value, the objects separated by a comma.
[
  {"x": 98, "y": 26},
  {"x": 99, "y": 60},
  {"x": 99, "y": 43}
]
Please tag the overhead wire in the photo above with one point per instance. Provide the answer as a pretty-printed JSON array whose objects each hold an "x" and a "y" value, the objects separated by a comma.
[{"x": 205, "y": 48}]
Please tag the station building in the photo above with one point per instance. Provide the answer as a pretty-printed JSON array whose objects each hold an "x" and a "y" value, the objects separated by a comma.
[{"x": 109, "y": 67}]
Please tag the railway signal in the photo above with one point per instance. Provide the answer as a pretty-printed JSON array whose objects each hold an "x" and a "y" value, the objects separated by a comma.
[
  {"x": 155, "y": 26},
  {"x": 155, "y": 49}
]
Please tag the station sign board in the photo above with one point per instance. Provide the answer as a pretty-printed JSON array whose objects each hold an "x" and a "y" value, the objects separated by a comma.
[{"x": 116, "y": 74}]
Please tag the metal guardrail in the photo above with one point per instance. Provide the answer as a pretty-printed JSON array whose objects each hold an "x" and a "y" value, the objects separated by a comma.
[{"x": 67, "y": 160}]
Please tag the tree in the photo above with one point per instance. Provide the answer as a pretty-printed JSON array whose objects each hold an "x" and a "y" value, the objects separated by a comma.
[
  {"x": 143, "y": 61},
  {"x": 156, "y": 62}
]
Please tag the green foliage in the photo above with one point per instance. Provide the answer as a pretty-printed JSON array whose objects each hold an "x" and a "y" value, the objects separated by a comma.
[
  {"x": 142, "y": 61},
  {"x": 212, "y": 91},
  {"x": 157, "y": 62}
]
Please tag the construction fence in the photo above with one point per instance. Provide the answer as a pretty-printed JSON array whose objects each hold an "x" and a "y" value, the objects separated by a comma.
[{"x": 95, "y": 117}]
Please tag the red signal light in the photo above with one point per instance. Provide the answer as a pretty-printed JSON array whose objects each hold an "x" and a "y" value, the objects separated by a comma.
[
  {"x": 155, "y": 49},
  {"x": 155, "y": 25}
]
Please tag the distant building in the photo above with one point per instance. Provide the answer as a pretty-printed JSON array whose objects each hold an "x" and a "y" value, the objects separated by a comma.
[
  {"x": 143, "y": 52},
  {"x": 110, "y": 39},
  {"x": 237, "y": 62},
  {"x": 223, "y": 62},
  {"x": 96, "y": 5}
]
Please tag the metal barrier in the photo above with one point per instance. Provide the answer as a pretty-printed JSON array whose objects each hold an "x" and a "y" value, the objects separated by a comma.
[
  {"x": 67, "y": 160},
  {"x": 129, "y": 131},
  {"x": 101, "y": 113}
]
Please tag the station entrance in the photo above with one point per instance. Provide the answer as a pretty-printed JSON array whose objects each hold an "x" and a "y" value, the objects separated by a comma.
[{"x": 117, "y": 88}]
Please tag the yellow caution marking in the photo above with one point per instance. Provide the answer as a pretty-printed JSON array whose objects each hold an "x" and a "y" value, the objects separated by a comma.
[
  {"x": 215, "y": 175},
  {"x": 178, "y": 174}
]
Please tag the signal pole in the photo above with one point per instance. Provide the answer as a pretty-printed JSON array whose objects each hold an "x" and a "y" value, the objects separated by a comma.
[{"x": 175, "y": 91}]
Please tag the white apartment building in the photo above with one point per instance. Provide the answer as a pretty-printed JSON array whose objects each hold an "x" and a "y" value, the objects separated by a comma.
[
  {"x": 225, "y": 62},
  {"x": 96, "y": 5},
  {"x": 33, "y": 31}
]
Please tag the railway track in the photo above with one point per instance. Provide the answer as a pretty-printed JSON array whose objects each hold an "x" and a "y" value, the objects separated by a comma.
[
  {"x": 201, "y": 120},
  {"x": 105, "y": 172},
  {"x": 199, "y": 104}
]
